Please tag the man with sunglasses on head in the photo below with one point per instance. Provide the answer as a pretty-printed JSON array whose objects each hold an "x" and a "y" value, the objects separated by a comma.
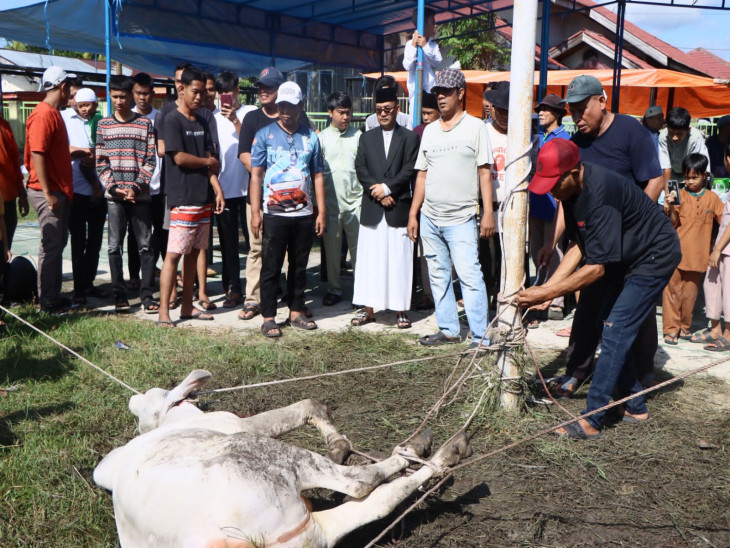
[{"x": 453, "y": 170}]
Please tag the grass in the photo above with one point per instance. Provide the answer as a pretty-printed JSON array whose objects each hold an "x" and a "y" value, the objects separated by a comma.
[{"x": 65, "y": 417}]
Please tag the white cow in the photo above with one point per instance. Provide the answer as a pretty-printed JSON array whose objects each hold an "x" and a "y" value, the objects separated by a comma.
[{"x": 214, "y": 480}]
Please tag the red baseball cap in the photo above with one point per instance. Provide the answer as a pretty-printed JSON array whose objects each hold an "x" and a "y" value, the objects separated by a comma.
[{"x": 557, "y": 157}]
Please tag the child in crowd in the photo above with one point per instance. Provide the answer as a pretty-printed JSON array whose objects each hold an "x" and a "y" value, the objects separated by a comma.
[
  {"x": 717, "y": 284},
  {"x": 693, "y": 217}
]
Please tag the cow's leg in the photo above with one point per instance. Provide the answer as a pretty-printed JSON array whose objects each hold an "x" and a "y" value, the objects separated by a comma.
[
  {"x": 358, "y": 481},
  {"x": 278, "y": 422},
  {"x": 340, "y": 521}
]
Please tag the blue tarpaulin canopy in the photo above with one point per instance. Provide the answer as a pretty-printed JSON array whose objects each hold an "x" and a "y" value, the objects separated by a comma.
[{"x": 240, "y": 35}]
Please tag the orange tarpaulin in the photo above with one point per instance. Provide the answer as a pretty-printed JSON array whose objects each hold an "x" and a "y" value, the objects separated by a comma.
[{"x": 698, "y": 94}]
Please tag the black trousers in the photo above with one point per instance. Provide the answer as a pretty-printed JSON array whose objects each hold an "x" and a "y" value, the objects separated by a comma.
[
  {"x": 490, "y": 259},
  {"x": 588, "y": 326},
  {"x": 159, "y": 237},
  {"x": 281, "y": 233},
  {"x": 86, "y": 226},
  {"x": 228, "y": 235},
  {"x": 11, "y": 219}
]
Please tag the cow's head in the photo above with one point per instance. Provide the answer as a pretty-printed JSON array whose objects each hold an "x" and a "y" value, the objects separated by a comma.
[{"x": 152, "y": 406}]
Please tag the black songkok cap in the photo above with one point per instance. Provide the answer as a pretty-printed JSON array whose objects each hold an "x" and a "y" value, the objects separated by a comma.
[
  {"x": 429, "y": 101},
  {"x": 384, "y": 95}
]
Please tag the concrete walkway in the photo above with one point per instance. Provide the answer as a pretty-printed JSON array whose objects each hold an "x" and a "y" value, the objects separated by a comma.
[{"x": 675, "y": 359}]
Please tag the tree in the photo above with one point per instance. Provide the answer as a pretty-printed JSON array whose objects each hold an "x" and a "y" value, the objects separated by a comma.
[
  {"x": 20, "y": 46},
  {"x": 475, "y": 43}
]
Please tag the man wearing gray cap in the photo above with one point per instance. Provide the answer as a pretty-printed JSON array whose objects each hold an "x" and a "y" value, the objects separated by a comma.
[
  {"x": 453, "y": 169},
  {"x": 617, "y": 142},
  {"x": 653, "y": 121},
  {"x": 50, "y": 184}
]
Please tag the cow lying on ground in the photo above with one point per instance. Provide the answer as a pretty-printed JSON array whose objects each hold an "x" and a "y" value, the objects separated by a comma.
[{"x": 214, "y": 480}]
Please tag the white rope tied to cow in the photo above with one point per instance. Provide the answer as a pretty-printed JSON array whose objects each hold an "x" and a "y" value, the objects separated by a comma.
[{"x": 67, "y": 349}]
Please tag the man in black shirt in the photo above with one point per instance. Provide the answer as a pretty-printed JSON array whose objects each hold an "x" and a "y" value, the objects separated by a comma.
[
  {"x": 622, "y": 237},
  {"x": 191, "y": 180}
]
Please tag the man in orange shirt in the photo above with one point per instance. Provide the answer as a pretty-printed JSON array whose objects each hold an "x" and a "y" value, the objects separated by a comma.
[
  {"x": 50, "y": 185},
  {"x": 11, "y": 179}
]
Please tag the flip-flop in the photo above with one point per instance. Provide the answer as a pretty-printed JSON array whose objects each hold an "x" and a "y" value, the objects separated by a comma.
[
  {"x": 150, "y": 307},
  {"x": 249, "y": 308},
  {"x": 198, "y": 315},
  {"x": 268, "y": 327},
  {"x": 564, "y": 332},
  {"x": 574, "y": 431},
  {"x": 206, "y": 305},
  {"x": 702, "y": 338},
  {"x": 685, "y": 335},
  {"x": 720, "y": 344},
  {"x": 670, "y": 339},
  {"x": 438, "y": 339},
  {"x": 302, "y": 323},
  {"x": 165, "y": 323}
]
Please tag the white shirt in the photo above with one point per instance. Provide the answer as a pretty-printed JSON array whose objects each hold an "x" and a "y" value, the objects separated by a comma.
[
  {"x": 78, "y": 136},
  {"x": 233, "y": 175},
  {"x": 431, "y": 61},
  {"x": 155, "y": 180},
  {"x": 403, "y": 120}
]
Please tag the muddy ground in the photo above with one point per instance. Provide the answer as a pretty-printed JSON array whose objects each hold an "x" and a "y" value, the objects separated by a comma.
[{"x": 663, "y": 483}]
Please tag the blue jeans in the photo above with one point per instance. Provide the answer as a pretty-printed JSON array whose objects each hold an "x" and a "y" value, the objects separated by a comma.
[
  {"x": 457, "y": 243},
  {"x": 629, "y": 304}
]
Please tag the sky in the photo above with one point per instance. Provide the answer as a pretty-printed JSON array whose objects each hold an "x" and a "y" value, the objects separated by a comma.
[{"x": 685, "y": 28}]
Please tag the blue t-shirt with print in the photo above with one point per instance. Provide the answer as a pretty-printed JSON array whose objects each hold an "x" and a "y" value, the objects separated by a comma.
[
  {"x": 290, "y": 161},
  {"x": 542, "y": 206}
]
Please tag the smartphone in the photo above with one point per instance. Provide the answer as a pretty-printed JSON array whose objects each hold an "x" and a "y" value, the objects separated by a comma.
[
  {"x": 226, "y": 100},
  {"x": 673, "y": 187}
]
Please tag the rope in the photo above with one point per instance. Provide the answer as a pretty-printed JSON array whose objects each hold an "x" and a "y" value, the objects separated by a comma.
[
  {"x": 329, "y": 374},
  {"x": 67, "y": 349},
  {"x": 450, "y": 471}
]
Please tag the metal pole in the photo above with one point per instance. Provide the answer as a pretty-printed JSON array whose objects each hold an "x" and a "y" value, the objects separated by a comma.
[
  {"x": 418, "y": 91},
  {"x": 544, "y": 45},
  {"x": 519, "y": 141},
  {"x": 108, "y": 49},
  {"x": 618, "y": 55}
]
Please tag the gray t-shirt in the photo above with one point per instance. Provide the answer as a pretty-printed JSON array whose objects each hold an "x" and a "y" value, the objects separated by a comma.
[{"x": 450, "y": 159}]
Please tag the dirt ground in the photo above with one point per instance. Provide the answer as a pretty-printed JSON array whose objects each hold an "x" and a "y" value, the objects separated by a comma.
[{"x": 662, "y": 483}]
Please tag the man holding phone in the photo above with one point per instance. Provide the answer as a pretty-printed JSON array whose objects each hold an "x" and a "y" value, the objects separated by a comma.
[{"x": 233, "y": 178}]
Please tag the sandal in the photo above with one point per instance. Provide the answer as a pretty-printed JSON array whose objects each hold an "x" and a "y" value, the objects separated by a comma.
[
  {"x": 206, "y": 305},
  {"x": 574, "y": 431},
  {"x": 438, "y": 339},
  {"x": 165, "y": 323},
  {"x": 720, "y": 344},
  {"x": 361, "y": 318},
  {"x": 122, "y": 306},
  {"x": 271, "y": 329},
  {"x": 250, "y": 311},
  {"x": 232, "y": 300},
  {"x": 685, "y": 335},
  {"x": 564, "y": 332},
  {"x": 702, "y": 338},
  {"x": 402, "y": 321},
  {"x": 303, "y": 323},
  {"x": 670, "y": 339},
  {"x": 331, "y": 299},
  {"x": 198, "y": 315},
  {"x": 563, "y": 387},
  {"x": 150, "y": 307}
]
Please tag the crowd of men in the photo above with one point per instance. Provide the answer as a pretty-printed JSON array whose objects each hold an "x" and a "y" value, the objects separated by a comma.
[{"x": 393, "y": 194}]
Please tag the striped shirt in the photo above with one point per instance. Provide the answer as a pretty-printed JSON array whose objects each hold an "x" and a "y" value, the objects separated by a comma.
[{"x": 125, "y": 155}]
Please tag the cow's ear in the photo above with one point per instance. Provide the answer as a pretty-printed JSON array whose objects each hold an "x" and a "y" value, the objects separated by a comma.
[{"x": 195, "y": 381}]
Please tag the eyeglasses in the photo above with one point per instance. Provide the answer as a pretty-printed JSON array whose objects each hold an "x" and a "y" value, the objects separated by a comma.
[{"x": 386, "y": 110}]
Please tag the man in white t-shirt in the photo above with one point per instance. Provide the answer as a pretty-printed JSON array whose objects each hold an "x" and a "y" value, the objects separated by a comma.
[
  {"x": 453, "y": 169},
  {"x": 88, "y": 208},
  {"x": 431, "y": 58},
  {"x": 234, "y": 179}
]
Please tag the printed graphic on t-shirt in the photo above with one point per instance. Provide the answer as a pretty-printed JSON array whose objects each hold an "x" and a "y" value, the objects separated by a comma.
[{"x": 286, "y": 183}]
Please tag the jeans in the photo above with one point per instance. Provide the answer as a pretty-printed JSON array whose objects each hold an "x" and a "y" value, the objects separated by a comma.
[
  {"x": 281, "y": 233},
  {"x": 54, "y": 235},
  {"x": 88, "y": 215},
  {"x": 140, "y": 214},
  {"x": 159, "y": 237},
  {"x": 630, "y": 304},
  {"x": 457, "y": 243},
  {"x": 228, "y": 235}
]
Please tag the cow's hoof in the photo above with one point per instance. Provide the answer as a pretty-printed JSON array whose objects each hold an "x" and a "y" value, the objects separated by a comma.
[
  {"x": 339, "y": 450},
  {"x": 420, "y": 445},
  {"x": 454, "y": 451}
]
